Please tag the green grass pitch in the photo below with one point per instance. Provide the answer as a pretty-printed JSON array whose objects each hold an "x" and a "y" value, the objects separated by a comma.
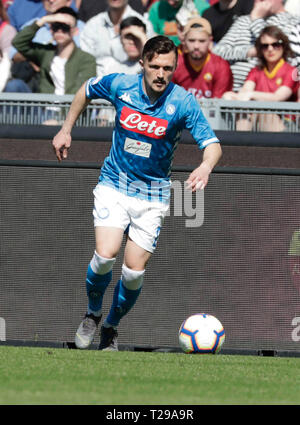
[{"x": 55, "y": 376}]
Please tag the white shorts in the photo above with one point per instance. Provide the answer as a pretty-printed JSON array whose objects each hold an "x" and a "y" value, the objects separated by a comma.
[{"x": 143, "y": 218}]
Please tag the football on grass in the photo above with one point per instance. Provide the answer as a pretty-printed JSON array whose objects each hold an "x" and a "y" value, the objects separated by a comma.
[{"x": 201, "y": 334}]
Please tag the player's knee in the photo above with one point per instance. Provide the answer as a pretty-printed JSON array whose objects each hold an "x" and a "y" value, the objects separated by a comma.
[
  {"x": 132, "y": 279},
  {"x": 105, "y": 252},
  {"x": 101, "y": 265}
]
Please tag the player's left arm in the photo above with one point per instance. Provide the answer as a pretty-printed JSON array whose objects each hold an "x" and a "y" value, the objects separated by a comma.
[
  {"x": 198, "y": 179},
  {"x": 200, "y": 129}
]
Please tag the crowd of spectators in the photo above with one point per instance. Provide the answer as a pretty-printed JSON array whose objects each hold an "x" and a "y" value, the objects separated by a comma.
[{"x": 217, "y": 41}]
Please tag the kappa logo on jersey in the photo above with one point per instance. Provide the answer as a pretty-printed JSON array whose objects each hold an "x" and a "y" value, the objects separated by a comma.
[
  {"x": 126, "y": 97},
  {"x": 143, "y": 124}
]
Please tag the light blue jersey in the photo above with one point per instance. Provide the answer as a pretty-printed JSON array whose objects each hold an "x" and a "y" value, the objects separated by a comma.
[{"x": 146, "y": 135}]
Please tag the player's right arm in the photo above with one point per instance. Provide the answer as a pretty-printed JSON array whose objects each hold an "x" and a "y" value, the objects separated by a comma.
[
  {"x": 94, "y": 88},
  {"x": 62, "y": 141}
]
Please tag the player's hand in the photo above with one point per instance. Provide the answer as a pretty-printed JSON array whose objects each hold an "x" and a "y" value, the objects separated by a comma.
[
  {"x": 198, "y": 179},
  {"x": 61, "y": 143}
]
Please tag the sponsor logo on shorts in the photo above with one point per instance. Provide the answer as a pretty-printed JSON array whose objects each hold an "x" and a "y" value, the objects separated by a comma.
[{"x": 103, "y": 213}]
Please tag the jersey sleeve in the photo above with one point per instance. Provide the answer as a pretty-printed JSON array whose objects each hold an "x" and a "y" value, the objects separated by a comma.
[
  {"x": 197, "y": 124},
  {"x": 224, "y": 79},
  {"x": 289, "y": 79},
  {"x": 101, "y": 87},
  {"x": 252, "y": 76}
]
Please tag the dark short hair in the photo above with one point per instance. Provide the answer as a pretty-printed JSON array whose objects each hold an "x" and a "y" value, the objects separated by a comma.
[
  {"x": 159, "y": 45},
  {"x": 274, "y": 32},
  {"x": 132, "y": 20},
  {"x": 68, "y": 11}
]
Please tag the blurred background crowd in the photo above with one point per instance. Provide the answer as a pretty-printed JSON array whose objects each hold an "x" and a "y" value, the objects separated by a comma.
[{"x": 231, "y": 49}]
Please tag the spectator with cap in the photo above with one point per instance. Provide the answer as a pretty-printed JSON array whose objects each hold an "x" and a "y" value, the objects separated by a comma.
[
  {"x": 187, "y": 11},
  {"x": 199, "y": 71}
]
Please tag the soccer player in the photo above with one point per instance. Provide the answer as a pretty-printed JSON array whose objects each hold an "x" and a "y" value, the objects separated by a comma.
[
  {"x": 133, "y": 191},
  {"x": 200, "y": 71}
]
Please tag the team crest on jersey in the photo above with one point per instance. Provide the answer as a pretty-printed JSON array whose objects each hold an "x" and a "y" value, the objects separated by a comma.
[
  {"x": 208, "y": 76},
  {"x": 279, "y": 81},
  {"x": 126, "y": 97},
  {"x": 143, "y": 124},
  {"x": 170, "y": 109}
]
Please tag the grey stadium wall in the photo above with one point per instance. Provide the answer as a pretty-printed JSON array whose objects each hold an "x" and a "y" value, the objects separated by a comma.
[{"x": 241, "y": 265}]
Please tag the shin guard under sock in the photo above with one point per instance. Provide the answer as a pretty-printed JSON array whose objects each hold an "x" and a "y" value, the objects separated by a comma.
[
  {"x": 99, "y": 275},
  {"x": 123, "y": 300},
  {"x": 126, "y": 293}
]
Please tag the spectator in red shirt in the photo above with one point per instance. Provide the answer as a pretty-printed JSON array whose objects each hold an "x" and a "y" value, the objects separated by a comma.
[
  {"x": 199, "y": 71},
  {"x": 274, "y": 79}
]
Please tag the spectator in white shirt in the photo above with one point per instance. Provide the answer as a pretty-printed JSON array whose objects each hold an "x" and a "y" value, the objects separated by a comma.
[
  {"x": 133, "y": 37},
  {"x": 101, "y": 34}
]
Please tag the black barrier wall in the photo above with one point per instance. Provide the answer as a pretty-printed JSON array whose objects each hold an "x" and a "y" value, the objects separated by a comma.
[{"x": 242, "y": 264}]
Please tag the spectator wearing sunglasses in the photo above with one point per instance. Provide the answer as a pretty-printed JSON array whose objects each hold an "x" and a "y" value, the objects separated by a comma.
[
  {"x": 238, "y": 44},
  {"x": 44, "y": 35},
  {"x": 272, "y": 80},
  {"x": 26, "y": 71},
  {"x": 63, "y": 66}
]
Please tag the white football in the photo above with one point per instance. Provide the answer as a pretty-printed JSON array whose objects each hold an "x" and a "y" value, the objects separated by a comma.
[{"x": 201, "y": 334}]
